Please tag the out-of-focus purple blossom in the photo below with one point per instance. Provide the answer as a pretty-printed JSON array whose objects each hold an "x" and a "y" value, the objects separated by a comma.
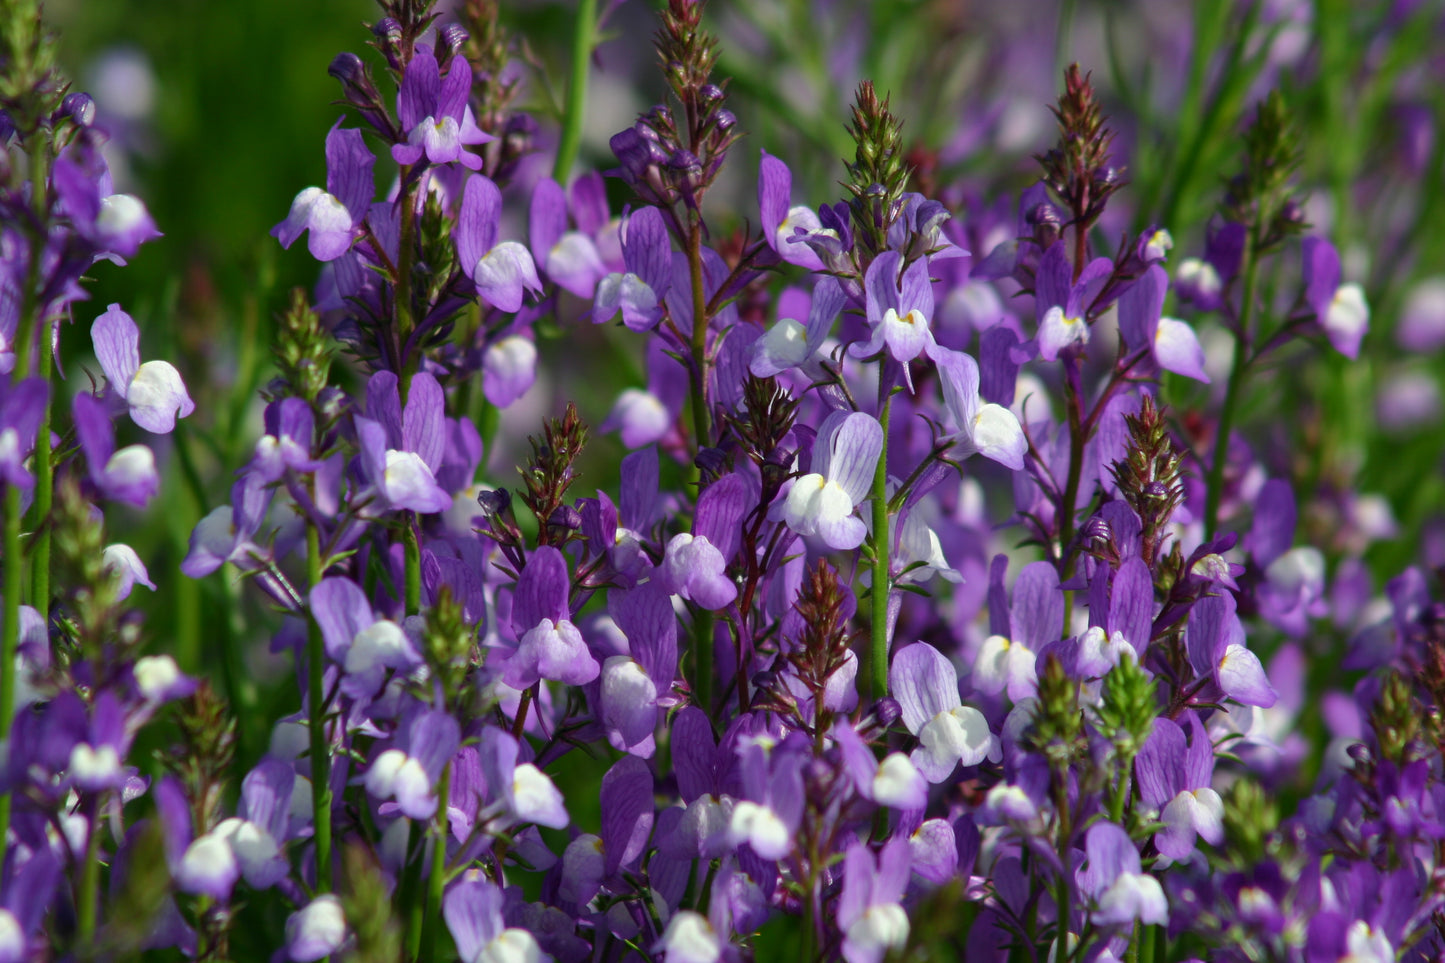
[
  {"x": 569, "y": 258},
  {"x": 1422, "y": 320},
  {"x": 128, "y": 475},
  {"x": 1340, "y": 308},
  {"x": 869, "y": 912}
]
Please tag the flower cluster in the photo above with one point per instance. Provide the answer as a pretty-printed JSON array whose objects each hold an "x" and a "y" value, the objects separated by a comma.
[{"x": 795, "y": 666}]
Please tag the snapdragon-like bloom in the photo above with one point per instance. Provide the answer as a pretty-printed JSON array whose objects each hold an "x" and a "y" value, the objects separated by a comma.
[
  {"x": 639, "y": 291},
  {"x": 899, "y": 310},
  {"x": 1114, "y": 878},
  {"x": 334, "y": 216},
  {"x": 503, "y": 271},
  {"x": 548, "y": 644},
  {"x": 365, "y": 646},
  {"x": 988, "y": 429},
  {"x": 949, "y": 733},
  {"x": 127, "y": 475},
  {"x": 22, "y": 407},
  {"x": 153, "y": 392},
  {"x": 401, "y": 451},
  {"x": 869, "y": 912},
  {"x": 844, "y": 458},
  {"x": 1340, "y": 308},
  {"x": 569, "y": 258},
  {"x": 316, "y": 930},
  {"x": 409, "y": 771},
  {"x": 433, "y": 112},
  {"x": 1174, "y": 769},
  {"x": 472, "y": 909},
  {"x": 1063, "y": 303},
  {"x": 790, "y": 344},
  {"x": 768, "y": 818},
  {"x": 1171, "y": 343},
  {"x": 780, "y": 220}
]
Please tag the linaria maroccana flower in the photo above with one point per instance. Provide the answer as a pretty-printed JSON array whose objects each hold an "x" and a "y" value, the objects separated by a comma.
[
  {"x": 333, "y": 216},
  {"x": 949, "y": 733},
  {"x": 503, "y": 271},
  {"x": 433, "y": 112},
  {"x": 153, "y": 392},
  {"x": 822, "y": 502}
]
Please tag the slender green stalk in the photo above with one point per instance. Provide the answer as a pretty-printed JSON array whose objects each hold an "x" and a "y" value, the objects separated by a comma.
[
  {"x": 26, "y": 334},
  {"x": 316, "y": 698},
  {"x": 436, "y": 884},
  {"x": 406, "y": 257},
  {"x": 882, "y": 560},
  {"x": 1215, "y": 480},
  {"x": 44, "y": 469},
  {"x": 703, "y": 663},
  {"x": 582, "y": 39},
  {"x": 413, "y": 900},
  {"x": 413, "y": 566},
  {"x": 88, "y": 898}
]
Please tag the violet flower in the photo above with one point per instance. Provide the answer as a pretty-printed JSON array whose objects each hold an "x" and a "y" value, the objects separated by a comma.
[
  {"x": 1062, "y": 303},
  {"x": 899, "y": 310},
  {"x": 225, "y": 535},
  {"x": 259, "y": 829},
  {"x": 822, "y": 502},
  {"x": 1114, "y": 878},
  {"x": 402, "y": 451},
  {"x": 1340, "y": 308},
  {"x": 639, "y": 292},
  {"x": 502, "y": 271},
  {"x": 409, "y": 771},
  {"x": 365, "y": 646},
  {"x": 1174, "y": 769},
  {"x": 333, "y": 216},
  {"x": 287, "y": 443},
  {"x": 24, "y": 902},
  {"x": 22, "y": 406},
  {"x": 128, "y": 475},
  {"x": 632, "y": 684},
  {"x": 115, "y": 224},
  {"x": 548, "y": 644},
  {"x": 1215, "y": 641},
  {"x": 789, "y": 344},
  {"x": 782, "y": 223},
  {"x": 433, "y": 112},
  {"x": 695, "y": 565},
  {"x": 768, "y": 816},
  {"x": 316, "y": 930},
  {"x": 1172, "y": 344},
  {"x": 949, "y": 733},
  {"x": 472, "y": 909},
  {"x": 153, "y": 392},
  {"x": 569, "y": 258},
  {"x": 869, "y": 912},
  {"x": 988, "y": 429},
  {"x": 520, "y": 792}
]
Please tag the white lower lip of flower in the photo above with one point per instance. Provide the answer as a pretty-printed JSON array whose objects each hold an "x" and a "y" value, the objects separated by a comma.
[
  {"x": 316, "y": 930},
  {"x": 131, "y": 463},
  {"x": 786, "y": 343},
  {"x": 91, "y": 766},
  {"x": 12, "y": 937},
  {"x": 959, "y": 735},
  {"x": 761, "y": 828},
  {"x": 253, "y": 846},
  {"x": 9, "y": 443},
  {"x": 119, "y": 212},
  {"x": 897, "y": 782},
  {"x": 511, "y": 946},
  {"x": 207, "y": 860},
  {"x": 379, "y": 644},
  {"x": 880, "y": 927},
  {"x": 381, "y": 777},
  {"x": 689, "y": 938},
  {"x": 536, "y": 799}
]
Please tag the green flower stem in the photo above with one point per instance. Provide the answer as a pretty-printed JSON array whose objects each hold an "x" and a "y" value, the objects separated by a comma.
[
  {"x": 1215, "y": 480},
  {"x": 316, "y": 704},
  {"x": 413, "y": 566},
  {"x": 406, "y": 258},
  {"x": 703, "y": 664},
  {"x": 25, "y": 336},
  {"x": 88, "y": 898},
  {"x": 436, "y": 884},
  {"x": 584, "y": 26},
  {"x": 44, "y": 468},
  {"x": 882, "y": 559}
]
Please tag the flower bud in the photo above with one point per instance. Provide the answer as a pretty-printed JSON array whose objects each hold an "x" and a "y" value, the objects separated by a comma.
[
  {"x": 80, "y": 108},
  {"x": 494, "y": 501},
  {"x": 453, "y": 37}
]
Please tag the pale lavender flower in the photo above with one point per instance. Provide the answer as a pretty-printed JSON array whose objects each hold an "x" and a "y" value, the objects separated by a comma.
[
  {"x": 153, "y": 392},
  {"x": 869, "y": 912},
  {"x": 949, "y": 733},
  {"x": 822, "y": 502},
  {"x": 503, "y": 271},
  {"x": 333, "y": 216},
  {"x": 434, "y": 114}
]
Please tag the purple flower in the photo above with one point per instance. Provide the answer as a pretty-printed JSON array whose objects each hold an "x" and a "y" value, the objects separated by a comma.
[
  {"x": 991, "y": 430},
  {"x": 695, "y": 565},
  {"x": 316, "y": 930},
  {"x": 472, "y": 908},
  {"x": 899, "y": 315},
  {"x": 949, "y": 733},
  {"x": 22, "y": 406},
  {"x": 401, "y": 451},
  {"x": 789, "y": 344},
  {"x": 1174, "y": 769},
  {"x": 1215, "y": 641},
  {"x": 287, "y": 443},
  {"x": 153, "y": 391},
  {"x": 503, "y": 272},
  {"x": 225, "y": 535},
  {"x": 128, "y": 475},
  {"x": 1114, "y": 878},
  {"x": 257, "y": 832},
  {"x": 1172, "y": 344},
  {"x": 781, "y": 222},
  {"x": 115, "y": 224},
  {"x": 434, "y": 114},
  {"x": 205, "y": 865},
  {"x": 520, "y": 791},
  {"x": 365, "y": 646},
  {"x": 1062, "y": 303},
  {"x": 333, "y": 216},
  {"x": 23, "y": 904},
  {"x": 869, "y": 913},
  {"x": 767, "y": 819},
  {"x": 631, "y": 684},
  {"x": 639, "y": 292},
  {"x": 822, "y": 502},
  {"x": 409, "y": 771},
  {"x": 569, "y": 258},
  {"x": 895, "y": 782},
  {"x": 548, "y": 644},
  {"x": 1340, "y": 308}
]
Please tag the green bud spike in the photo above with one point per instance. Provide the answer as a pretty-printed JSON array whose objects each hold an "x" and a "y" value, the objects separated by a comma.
[
  {"x": 303, "y": 349},
  {"x": 1250, "y": 818}
]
